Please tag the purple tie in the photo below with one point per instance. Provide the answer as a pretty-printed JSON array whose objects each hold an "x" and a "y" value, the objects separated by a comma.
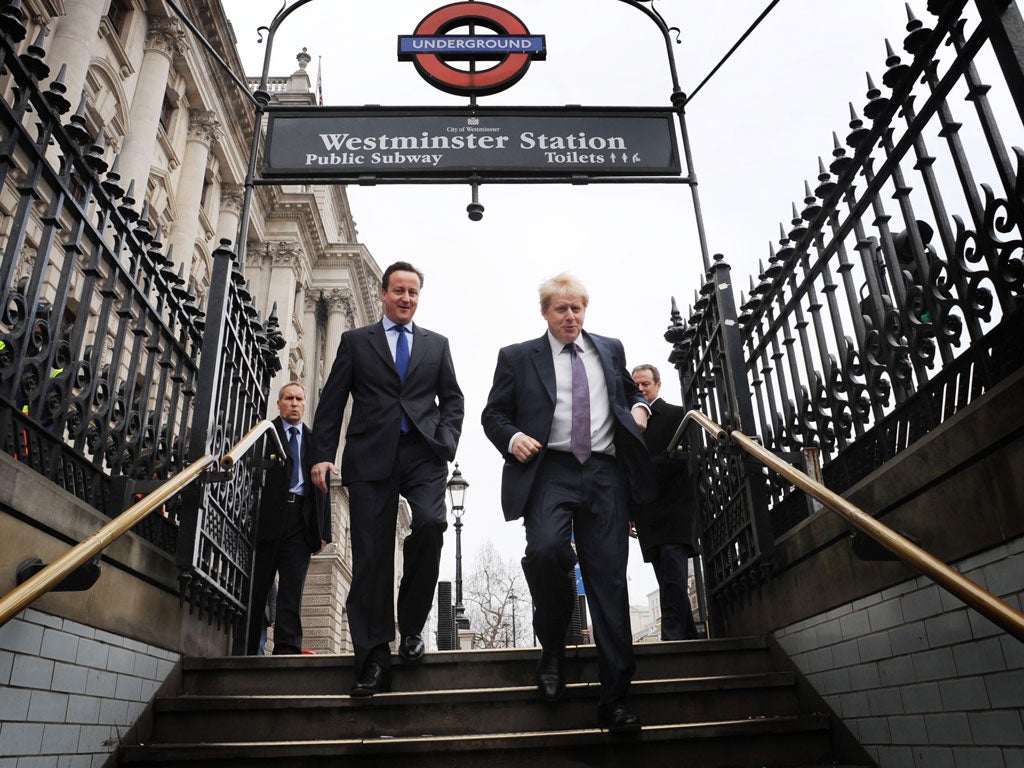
[{"x": 579, "y": 443}]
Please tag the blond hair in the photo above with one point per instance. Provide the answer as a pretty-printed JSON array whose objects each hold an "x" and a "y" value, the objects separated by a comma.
[{"x": 562, "y": 285}]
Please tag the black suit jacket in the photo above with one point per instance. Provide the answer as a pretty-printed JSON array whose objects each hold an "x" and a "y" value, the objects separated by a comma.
[
  {"x": 671, "y": 518},
  {"x": 365, "y": 371},
  {"x": 522, "y": 399},
  {"x": 316, "y": 505}
]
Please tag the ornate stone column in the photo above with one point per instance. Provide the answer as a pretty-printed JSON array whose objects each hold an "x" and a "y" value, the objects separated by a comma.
[
  {"x": 76, "y": 33},
  {"x": 311, "y": 349},
  {"x": 166, "y": 37},
  {"x": 203, "y": 130},
  {"x": 231, "y": 196},
  {"x": 285, "y": 277}
]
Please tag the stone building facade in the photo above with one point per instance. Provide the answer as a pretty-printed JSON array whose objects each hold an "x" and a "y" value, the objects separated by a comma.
[{"x": 179, "y": 128}]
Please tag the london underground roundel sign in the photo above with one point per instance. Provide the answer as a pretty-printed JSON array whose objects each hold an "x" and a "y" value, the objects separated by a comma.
[{"x": 431, "y": 47}]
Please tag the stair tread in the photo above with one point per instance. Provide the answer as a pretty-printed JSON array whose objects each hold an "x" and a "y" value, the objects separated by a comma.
[
  {"x": 707, "y": 684},
  {"x": 469, "y": 742},
  {"x": 674, "y": 648}
]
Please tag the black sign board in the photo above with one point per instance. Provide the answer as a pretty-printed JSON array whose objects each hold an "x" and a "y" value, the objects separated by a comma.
[{"x": 495, "y": 143}]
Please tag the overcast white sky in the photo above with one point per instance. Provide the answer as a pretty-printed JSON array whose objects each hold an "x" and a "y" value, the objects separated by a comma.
[{"x": 756, "y": 131}]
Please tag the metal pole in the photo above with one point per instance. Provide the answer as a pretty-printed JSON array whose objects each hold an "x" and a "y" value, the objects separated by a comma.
[
  {"x": 461, "y": 622},
  {"x": 262, "y": 98},
  {"x": 679, "y": 105}
]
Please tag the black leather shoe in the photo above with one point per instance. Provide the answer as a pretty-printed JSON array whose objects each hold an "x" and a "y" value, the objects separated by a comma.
[
  {"x": 617, "y": 718},
  {"x": 375, "y": 679},
  {"x": 411, "y": 649},
  {"x": 551, "y": 677}
]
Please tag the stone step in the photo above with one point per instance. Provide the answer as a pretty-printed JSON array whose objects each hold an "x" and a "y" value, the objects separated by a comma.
[
  {"x": 198, "y": 718},
  {"x": 332, "y": 674},
  {"x": 785, "y": 741}
]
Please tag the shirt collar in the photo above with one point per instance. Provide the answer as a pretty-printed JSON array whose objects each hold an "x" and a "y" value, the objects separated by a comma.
[
  {"x": 557, "y": 347},
  {"x": 389, "y": 324}
]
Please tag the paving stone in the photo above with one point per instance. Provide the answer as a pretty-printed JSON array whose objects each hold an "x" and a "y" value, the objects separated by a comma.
[
  {"x": 21, "y": 637},
  {"x": 934, "y": 665},
  {"x": 979, "y": 657},
  {"x": 60, "y": 739},
  {"x": 120, "y": 660},
  {"x": 897, "y": 671},
  {"x": 31, "y": 672},
  {"x": 921, "y": 698},
  {"x": 948, "y": 728},
  {"x": 922, "y": 604},
  {"x": 948, "y": 629},
  {"x": 934, "y": 757},
  {"x": 47, "y": 707},
  {"x": 909, "y": 638},
  {"x": 84, "y": 710},
  {"x": 874, "y": 647},
  {"x": 1005, "y": 576},
  {"x": 92, "y": 654},
  {"x": 846, "y": 654},
  {"x": 69, "y": 678},
  {"x": 45, "y": 619},
  {"x": 964, "y": 694},
  {"x": 59, "y": 646},
  {"x": 997, "y": 727},
  {"x": 863, "y": 676},
  {"x": 908, "y": 729},
  {"x": 14, "y": 704},
  {"x": 874, "y": 730},
  {"x": 6, "y": 664},
  {"x": 855, "y": 625},
  {"x": 885, "y": 701},
  {"x": 1006, "y": 689},
  {"x": 836, "y": 681},
  {"x": 21, "y": 738},
  {"x": 979, "y": 757},
  {"x": 885, "y": 615},
  {"x": 896, "y": 757}
]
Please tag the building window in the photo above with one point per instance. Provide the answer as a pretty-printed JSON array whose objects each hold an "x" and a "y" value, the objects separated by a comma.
[
  {"x": 118, "y": 14},
  {"x": 166, "y": 115}
]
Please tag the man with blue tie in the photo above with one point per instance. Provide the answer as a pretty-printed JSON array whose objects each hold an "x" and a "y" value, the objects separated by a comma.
[
  {"x": 407, "y": 411},
  {"x": 567, "y": 417},
  {"x": 294, "y": 522}
]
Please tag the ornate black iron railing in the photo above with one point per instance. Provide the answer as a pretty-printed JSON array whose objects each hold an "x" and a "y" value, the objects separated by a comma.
[
  {"x": 111, "y": 375},
  {"x": 892, "y": 299}
]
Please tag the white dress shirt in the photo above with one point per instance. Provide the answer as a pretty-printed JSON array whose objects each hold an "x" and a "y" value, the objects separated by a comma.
[
  {"x": 602, "y": 422},
  {"x": 391, "y": 333}
]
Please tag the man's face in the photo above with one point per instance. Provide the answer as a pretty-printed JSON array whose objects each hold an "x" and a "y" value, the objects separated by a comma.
[
  {"x": 565, "y": 317},
  {"x": 649, "y": 388},
  {"x": 292, "y": 404},
  {"x": 401, "y": 296}
]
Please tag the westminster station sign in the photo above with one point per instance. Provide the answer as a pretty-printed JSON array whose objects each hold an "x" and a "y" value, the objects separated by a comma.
[{"x": 495, "y": 143}]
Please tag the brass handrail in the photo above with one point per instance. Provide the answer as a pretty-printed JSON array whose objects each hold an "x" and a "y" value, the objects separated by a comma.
[
  {"x": 248, "y": 440},
  {"x": 42, "y": 582},
  {"x": 987, "y": 604}
]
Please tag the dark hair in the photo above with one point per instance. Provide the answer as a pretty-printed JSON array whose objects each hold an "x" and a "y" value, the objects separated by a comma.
[
  {"x": 399, "y": 266},
  {"x": 651, "y": 368}
]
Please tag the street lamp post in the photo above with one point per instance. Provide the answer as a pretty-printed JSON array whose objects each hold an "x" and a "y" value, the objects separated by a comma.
[
  {"x": 514, "y": 598},
  {"x": 457, "y": 486}
]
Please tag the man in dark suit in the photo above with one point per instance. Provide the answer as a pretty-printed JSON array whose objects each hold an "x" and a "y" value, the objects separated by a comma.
[
  {"x": 406, "y": 419},
  {"x": 566, "y": 416},
  {"x": 667, "y": 527},
  {"x": 294, "y": 522}
]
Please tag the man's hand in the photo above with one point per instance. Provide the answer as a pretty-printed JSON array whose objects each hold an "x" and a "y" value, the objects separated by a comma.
[
  {"x": 524, "y": 448},
  {"x": 632, "y": 530},
  {"x": 318, "y": 474},
  {"x": 640, "y": 417}
]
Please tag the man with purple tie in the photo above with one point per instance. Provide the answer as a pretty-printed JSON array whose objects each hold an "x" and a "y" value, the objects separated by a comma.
[{"x": 567, "y": 417}]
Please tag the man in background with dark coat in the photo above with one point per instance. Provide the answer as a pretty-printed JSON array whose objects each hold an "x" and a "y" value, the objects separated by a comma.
[
  {"x": 667, "y": 526},
  {"x": 294, "y": 523}
]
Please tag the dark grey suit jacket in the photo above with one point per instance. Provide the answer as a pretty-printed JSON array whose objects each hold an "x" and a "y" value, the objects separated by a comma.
[
  {"x": 522, "y": 399},
  {"x": 365, "y": 371},
  {"x": 316, "y": 505}
]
